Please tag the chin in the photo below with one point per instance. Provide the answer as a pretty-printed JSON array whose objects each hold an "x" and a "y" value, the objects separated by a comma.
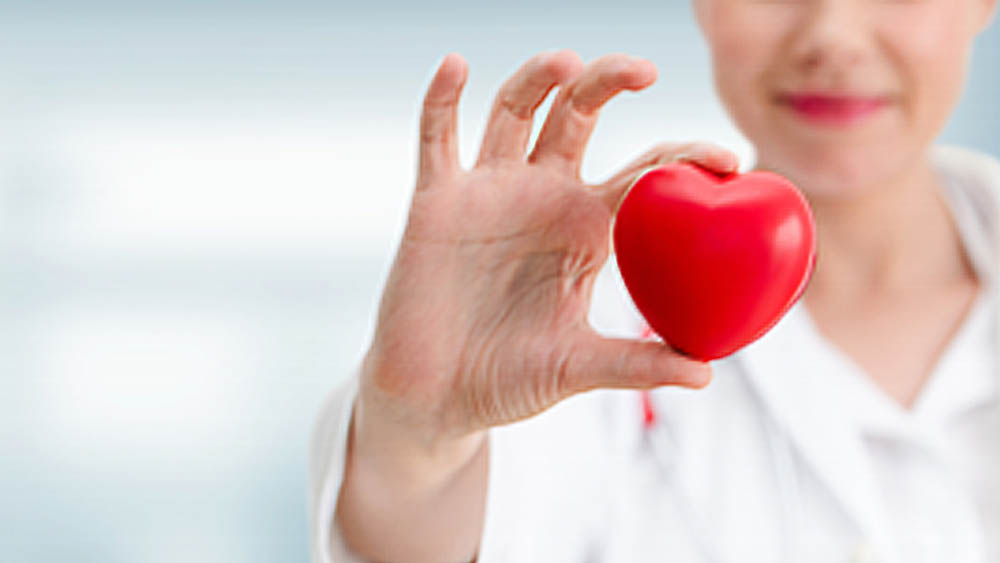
[{"x": 838, "y": 172}]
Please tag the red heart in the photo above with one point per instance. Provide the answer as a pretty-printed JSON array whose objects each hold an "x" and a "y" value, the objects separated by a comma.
[{"x": 713, "y": 262}]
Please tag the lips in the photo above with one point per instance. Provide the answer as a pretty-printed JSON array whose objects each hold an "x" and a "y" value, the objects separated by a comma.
[{"x": 833, "y": 109}]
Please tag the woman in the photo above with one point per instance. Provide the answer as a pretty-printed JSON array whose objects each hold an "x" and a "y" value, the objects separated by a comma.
[{"x": 864, "y": 426}]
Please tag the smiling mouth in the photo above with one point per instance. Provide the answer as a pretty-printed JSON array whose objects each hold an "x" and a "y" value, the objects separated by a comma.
[{"x": 833, "y": 109}]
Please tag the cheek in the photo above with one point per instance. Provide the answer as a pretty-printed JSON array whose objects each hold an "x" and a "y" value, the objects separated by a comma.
[
  {"x": 931, "y": 51},
  {"x": 744, "y": 40}
]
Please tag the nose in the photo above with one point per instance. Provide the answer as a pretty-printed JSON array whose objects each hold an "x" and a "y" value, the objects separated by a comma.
[{"x": 832, "y": 36}]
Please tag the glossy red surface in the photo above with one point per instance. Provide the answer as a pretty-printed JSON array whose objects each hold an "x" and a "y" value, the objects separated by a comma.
[{"x": 713, "y": 262}]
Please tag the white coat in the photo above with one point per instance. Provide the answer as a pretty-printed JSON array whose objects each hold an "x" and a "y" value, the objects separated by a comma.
[{"x": 790, "y": 454}]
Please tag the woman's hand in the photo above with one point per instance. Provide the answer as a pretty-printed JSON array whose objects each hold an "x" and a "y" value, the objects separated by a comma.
[{"x": 483, "y": 318}]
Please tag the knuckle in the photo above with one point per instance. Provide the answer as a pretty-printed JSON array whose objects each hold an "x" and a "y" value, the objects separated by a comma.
[
  {"x": 511, "y": 103},
  {"x": 433, "y": 104},
  {"x": 583, "y": 104},
  {"x": 518, "y": 96},
  {"x": 433, "y": 135},
  {"x": 434, "y": 100},
  {"x": 434, "y": 110}
]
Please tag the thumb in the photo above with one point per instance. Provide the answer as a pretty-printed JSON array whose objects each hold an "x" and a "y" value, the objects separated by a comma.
[{"x": 597, "y": 362}]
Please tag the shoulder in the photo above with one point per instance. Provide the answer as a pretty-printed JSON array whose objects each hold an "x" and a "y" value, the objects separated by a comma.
[
  {"x": 971, "y": 184},
  {"x": 968, "y": 173},
  {"x": 967, "y": 162}
]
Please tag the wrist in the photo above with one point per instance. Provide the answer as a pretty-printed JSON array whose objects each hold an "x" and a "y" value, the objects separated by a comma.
[{"x": 407, "y": 452}]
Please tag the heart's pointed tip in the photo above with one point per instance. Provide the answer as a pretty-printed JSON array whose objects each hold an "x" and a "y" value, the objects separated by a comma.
[{"x": 705, "y": 357}]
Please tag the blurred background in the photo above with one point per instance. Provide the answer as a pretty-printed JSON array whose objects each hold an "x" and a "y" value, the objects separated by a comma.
[{"x": 198, "y": 204}]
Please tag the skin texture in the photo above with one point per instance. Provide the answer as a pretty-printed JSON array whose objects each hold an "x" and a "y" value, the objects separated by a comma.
[
  {"x": 892, "y": 282},
  {"x": 483, "y": 317}
]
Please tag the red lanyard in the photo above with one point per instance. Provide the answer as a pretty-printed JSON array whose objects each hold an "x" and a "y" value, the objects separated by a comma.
[{"x": 648, "y": 410}]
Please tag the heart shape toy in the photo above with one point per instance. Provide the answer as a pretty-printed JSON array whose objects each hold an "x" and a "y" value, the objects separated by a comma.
[{"x": 713, "y": 262}]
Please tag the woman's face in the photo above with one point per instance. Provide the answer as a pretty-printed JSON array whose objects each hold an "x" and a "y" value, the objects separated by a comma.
[{"x": 840, "y": 95}]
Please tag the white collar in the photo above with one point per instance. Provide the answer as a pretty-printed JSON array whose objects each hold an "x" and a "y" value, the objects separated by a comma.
[
  {"x": 793, "y": 384},
  {"x": 784, "y": 372},
  {"x": 963, "y": 379}
]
